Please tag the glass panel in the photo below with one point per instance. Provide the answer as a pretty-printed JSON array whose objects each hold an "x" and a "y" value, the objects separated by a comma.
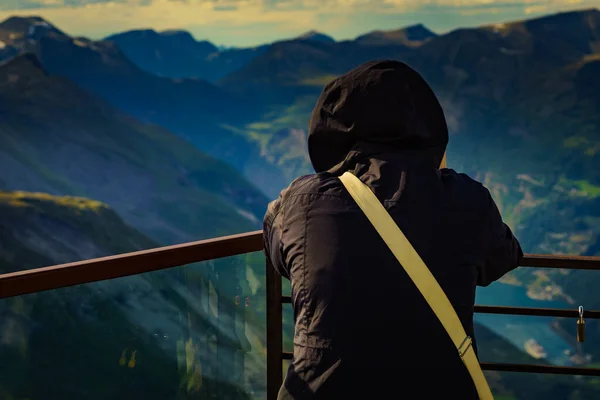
[
  {"x": 525, "y": 386},
  {"x": 526, "y": 340},
  {"x": 193, "y": 332},
  {"x": 286, "y": 287},
  {"x": 554, "y": 339},
  {"x": 539, "y": 340}
]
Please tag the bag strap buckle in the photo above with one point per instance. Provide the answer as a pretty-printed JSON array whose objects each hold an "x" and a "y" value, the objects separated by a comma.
[{"x": 464, "y": 346}]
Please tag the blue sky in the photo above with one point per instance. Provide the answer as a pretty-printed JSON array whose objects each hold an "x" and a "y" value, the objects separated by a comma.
[{"x": 250, "y": 22}]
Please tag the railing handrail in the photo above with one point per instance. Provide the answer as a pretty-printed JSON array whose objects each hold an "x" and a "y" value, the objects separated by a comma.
[
  {"x": 560, "y": 261},
  {"x": 126, "y": 264},
  {"x": 139, "y": 262}
]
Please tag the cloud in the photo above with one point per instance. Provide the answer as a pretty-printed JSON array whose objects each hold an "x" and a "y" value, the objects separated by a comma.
[
  {"x": 246, "y": 22},
  {"x": 318, "y": 6},
  {"x": 14, "y": 5},
  {"x": 97, "y": 17}
]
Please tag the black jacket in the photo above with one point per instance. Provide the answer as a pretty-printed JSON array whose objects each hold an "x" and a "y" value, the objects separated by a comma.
[{"x": 361, "y": 326}]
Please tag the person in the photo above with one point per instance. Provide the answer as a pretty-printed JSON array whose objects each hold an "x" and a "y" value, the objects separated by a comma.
[{"x": 362, "y": 329}]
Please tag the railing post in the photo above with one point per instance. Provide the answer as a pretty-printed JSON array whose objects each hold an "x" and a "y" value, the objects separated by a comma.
[{"x": 274, "y": 332}]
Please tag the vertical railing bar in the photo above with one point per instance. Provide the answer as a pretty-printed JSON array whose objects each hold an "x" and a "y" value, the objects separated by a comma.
[{"x": 274, "y": 333}]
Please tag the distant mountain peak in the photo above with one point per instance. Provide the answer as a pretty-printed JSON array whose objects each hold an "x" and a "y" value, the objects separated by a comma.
[
  {"x": 145, "y": 33},
  {"x": 409, "y": 35},
  {"x": 579, "y": 28},
  {"x": 134, "y": 34},
  {"x": 171, "y": 37},
  {"x": 179, "y": 38},
  {"x": 26, "y": 27},
  {"x": 418, "y": 32},
  {"x": 178, "y": 33},
  {"x": 557, "y": 18},
  {"x": 170, "y": 53},
  {"x": 561, "y": 14},
  {"x": 316, "y": 37},
  {"x": 16, "y": 20}
]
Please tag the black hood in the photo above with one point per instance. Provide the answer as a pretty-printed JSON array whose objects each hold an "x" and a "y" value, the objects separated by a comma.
[{"x": 382, "y": 104}]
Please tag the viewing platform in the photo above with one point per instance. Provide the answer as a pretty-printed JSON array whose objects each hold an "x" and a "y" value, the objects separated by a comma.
[{"x": 122, "y": 265}]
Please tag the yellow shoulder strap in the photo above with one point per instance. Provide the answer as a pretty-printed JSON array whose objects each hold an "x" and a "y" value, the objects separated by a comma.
[{"x": 421, "y": 276}]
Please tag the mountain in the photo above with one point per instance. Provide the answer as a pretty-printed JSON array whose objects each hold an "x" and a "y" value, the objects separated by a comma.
[
  {"x": 189, "y": 107},
  {"x": 498, "y": 85},
  {"x": 294, "y": 68},
  {"x": 316, "y": 36},
  {"x": 59, "y": 139},
  {"x": 209, "y": 116},
  {"x": 174, "y": 54},
  {"x": 413, "y": 35},
  {"x": 153, "y": 335},
  {"x": 26, "y": 30},
  {"x": 545, "y": 42},
  {"x": 39, "y": 229}
]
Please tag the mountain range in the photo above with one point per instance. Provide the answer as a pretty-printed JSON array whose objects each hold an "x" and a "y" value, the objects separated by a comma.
[
  {"x": 60, "y": 139},
  {"x": 184, "y": 141}
]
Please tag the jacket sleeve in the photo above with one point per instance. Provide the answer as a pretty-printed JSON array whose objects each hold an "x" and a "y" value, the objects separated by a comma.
[
  {"x": 502, "y": 250},
  {"x": 272, "y": 236}
]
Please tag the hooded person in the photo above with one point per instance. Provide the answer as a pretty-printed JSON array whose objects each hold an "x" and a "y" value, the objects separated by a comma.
[{"x": 362, "y": 328}]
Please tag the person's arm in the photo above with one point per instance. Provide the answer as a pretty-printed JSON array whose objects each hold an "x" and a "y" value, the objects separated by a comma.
[
  {"x": 272, "y": 236},
  {"x": 502, "y": 250}
]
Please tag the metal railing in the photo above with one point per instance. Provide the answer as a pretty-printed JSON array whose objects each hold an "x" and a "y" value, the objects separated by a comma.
[{"x": 58, "y": 276}]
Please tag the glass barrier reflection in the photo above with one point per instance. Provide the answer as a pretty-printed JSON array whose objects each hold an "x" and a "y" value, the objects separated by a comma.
[{"x": 191, "y": 332}]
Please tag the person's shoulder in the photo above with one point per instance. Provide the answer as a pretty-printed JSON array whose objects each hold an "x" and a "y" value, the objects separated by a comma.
[
  {"x": 298, "y": 185},
  {"x": 303, "y": 185},
  {"x": 463, "y": 186},
  {"x": 313, "y": 184}
]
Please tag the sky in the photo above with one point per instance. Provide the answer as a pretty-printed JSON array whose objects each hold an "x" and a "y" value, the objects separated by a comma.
[{"x": 252, "y": 22}]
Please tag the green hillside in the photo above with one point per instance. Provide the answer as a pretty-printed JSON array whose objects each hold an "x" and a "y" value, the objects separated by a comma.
[
  {"x": 39, "y": 230},
  {"x": 77, "y": 342},
  {"x": 59, "y": 139}
]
